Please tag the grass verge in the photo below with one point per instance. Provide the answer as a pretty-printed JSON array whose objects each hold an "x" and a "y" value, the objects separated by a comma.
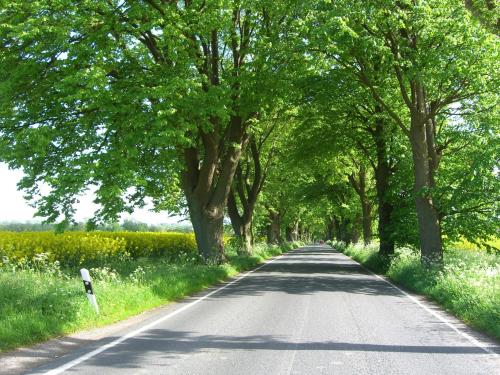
[
  {"x": 41, "y": 301},
  {"x": 468, "y": 286}
]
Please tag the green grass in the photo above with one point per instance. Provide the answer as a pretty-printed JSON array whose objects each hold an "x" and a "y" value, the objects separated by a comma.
[
  {"x": 468, "y": 286},
  {"x": 39, "y": 301}
]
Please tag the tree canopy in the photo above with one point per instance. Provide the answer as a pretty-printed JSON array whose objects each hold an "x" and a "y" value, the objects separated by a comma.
[{"x": 316, "y": 119}]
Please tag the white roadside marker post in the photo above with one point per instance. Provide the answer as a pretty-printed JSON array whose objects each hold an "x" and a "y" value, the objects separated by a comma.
[{"x": 87, "y": 283}]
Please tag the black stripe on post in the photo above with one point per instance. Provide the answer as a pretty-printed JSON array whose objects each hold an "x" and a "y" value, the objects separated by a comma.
[{"x": 88, "y": 287}]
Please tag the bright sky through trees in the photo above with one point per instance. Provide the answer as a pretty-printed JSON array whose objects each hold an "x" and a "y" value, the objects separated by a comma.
[{"x": 13, "y": 207}]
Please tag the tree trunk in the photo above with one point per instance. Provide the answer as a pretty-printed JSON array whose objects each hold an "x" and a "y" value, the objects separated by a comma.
[
  {"x": 367, "y": 222},
  {"x": 247, "y": 239},
  {"x": 247, "y": 195},
  {"x": 234, "y": 216},
  {"x": 358, "y": 182},
  {"x": 344, "y": 231},
  {"x": 366, "y": 207},
  {"x": 242, "y": 226},
  {"x": 330, "y": 229},
  {"x": 336, "y": 229},
  {"x": 355, "y": 232},
  {"x": 243, "y": 232},
  {"x": 273, "y": 231},
  {"x": 289, "y": 233},
  {"x": 386, "y": 246},
  {"x": 421, "y": 135},
  {"x": 206, "y": 186},
  {"x": 383, "y": 172},
  {"x": 429, "y": 226},
  {"x": 208, "y": 228}
]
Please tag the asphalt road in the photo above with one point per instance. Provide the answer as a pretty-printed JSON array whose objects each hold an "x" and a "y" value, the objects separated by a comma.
[{"x": 312, "y": 311}]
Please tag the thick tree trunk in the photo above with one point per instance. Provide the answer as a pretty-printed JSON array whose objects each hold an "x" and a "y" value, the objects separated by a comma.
[
  {"x": 386, "y": 246},
  {"x": 421, "y": 135},
  {"x": 306, "y": 236},
  {"x": 383, "y": 172},
  {"x": 344, "y": 230},
  {"x": 242, "y": 226},
  {"x": 210, "y": 162},
  {"x": 243, "y": 232},
  {"x": 336, "y": 229},
  {"x": 429, "y": 226},
  {"x": 234, "y": 216},
  {"x": 367, "y": 221},
  {"x": 330, "y": 229},
  {"x": 247, "y": 195},
  {"x": 273, "y": 229},
  {"x": 208, "y": 228},
  {"x": 355, "y": 232},
  {"x": 247, "y": 238},
  {"x": 207, "y": 185}
]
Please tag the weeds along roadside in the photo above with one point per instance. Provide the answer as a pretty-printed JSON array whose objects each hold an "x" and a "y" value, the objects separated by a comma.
[
  {"x": 468, "y": 286},
  {"x": 40, "y": 300}
]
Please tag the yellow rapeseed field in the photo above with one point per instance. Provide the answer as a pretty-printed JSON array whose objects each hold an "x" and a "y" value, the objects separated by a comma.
[{"x": 79, "y": 247}]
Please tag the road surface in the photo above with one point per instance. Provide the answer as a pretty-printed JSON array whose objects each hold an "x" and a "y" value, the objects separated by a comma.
[{"x": 311, "y": 311}]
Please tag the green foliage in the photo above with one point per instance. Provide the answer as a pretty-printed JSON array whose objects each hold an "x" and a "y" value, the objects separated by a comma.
[
  {"x": 469, "y": 182},
  {"x": 110, "y": 93},
  {"x": 369, "y": 59},
  {"x": 366, "y": 255},
  {"x": 486, "y": 11},
  {"x": 155, "y": 100}
]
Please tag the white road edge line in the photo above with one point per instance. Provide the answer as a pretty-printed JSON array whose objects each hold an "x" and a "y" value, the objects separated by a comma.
[
  {"x": 433, "y": 313},
  {"x": 113, "y": 343}
]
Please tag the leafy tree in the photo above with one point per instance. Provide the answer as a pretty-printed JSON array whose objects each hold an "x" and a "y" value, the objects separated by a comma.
[
  {"x": 487, "y": 12},
  {"x": 139, "y": 99},
  {"x": 265, "y": 143},
  {"x": 177, "y": 102},
  {"x": 435, "y": 55}
]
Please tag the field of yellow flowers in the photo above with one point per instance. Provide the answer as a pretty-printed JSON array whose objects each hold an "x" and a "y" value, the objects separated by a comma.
[{"x": 77, "y": 248}]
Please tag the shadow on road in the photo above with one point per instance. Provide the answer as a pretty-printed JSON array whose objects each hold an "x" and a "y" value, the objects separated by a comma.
[
  {"x": 309, "y": 271},
  {"x": 168, "y": 344},
  {"x": 304, "y": 272}
]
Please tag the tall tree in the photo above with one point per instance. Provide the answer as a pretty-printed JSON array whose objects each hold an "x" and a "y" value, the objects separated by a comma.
[
  {"x": 137, "y": 98},
  {"x": 247, "y": 185},
  {"x": 435, "y": 55}
]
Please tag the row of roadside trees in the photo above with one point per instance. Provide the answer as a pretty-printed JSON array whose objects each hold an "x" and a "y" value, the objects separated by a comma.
[{"x": 294, "y": 119}]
